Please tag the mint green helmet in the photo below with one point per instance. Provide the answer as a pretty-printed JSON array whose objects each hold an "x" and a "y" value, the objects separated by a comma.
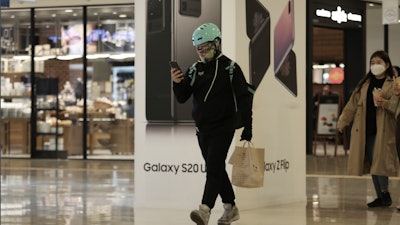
[{"x": 205, "y": 33}]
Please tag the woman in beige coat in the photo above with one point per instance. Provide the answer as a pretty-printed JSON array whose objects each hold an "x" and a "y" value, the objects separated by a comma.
[
  {"x": 396, "y": 91},
  {"x": 372, "y": 143}
]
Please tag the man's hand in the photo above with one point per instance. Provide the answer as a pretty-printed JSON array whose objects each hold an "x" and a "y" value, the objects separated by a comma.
[
  {"x": 176, "y": 75},
  {"x": 246, "y": 134}
]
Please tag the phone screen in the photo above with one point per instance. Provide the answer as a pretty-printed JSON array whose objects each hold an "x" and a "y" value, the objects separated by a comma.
[{"x": 175, "y": 65}]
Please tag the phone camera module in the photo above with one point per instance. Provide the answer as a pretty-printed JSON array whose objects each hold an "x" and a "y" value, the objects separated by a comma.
[{"x": 289, "y": 7}]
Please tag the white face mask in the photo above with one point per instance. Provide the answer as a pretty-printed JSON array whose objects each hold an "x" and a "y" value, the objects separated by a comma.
[
  {"x": 208, "y": 56},
  {"x": 377, "y": 69}
]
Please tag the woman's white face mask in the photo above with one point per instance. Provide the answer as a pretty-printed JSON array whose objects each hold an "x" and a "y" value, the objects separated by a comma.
[{"x": 378, "y": 69}]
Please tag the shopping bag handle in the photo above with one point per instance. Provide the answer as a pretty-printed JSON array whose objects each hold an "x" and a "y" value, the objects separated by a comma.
[{"x": 249, "y": 144}]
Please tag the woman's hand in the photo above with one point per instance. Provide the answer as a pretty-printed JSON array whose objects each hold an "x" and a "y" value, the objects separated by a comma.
[
  {"x": 379, "y": 101},
  {"x": 340, "y": 129},
  {"x": 396, "y": 86},
  {"x": 176, "y": 75}
]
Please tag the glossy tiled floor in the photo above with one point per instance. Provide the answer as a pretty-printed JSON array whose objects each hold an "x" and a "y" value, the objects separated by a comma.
[{"x": 76, "y": 192}]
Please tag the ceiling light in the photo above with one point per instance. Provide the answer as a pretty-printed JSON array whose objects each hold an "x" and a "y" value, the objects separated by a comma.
[{"x": 122, "y": 16}]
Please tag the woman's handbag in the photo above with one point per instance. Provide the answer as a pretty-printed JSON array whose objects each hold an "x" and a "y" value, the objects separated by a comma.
[{"x": 248, "y": 166}]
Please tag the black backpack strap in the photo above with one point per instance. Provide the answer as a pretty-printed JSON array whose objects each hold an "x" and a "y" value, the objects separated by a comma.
[
  {"x": 230, "y": 69},
  {"x": 239, "y": 121},
  {"x": 250, "y": 88},
  {"x": 193, "y": 73}
]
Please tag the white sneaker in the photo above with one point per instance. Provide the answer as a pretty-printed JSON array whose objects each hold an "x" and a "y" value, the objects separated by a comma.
[
  {"x": 230, "y": 215},
  {"x": 202, "y": 215}
]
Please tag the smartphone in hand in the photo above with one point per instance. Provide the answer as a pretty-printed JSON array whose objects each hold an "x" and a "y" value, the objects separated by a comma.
[{"x": 174, "y": 65}]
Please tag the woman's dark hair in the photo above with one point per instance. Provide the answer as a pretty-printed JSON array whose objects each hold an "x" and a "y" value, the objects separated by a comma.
[{"x": 389, "y": 71}]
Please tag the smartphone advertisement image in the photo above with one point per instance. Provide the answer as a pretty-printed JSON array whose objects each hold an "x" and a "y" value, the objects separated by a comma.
[
  {"x": 283, "y": 44},
  {"x": 170, "y": 24},
  {"x": 158, "y": 81},
  {"x": 259, "y": 36},
  {"x": 283, "y": 35},
  {"x": 258, "y": 28},
  {"x": 287, "y": 73}
]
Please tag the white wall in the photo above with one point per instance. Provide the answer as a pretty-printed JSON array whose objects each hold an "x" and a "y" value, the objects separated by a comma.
[
  {"x": 375, "y": 36},
  {"x": 279, "y": 124},
  {"x": 279, "y": 117}
]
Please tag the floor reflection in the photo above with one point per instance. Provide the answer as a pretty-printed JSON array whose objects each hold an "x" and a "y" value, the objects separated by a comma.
[
  {"x": 66, "y": 192},
  {"x": 76, "y": 192},
  {"x": 336, "y": 198}
]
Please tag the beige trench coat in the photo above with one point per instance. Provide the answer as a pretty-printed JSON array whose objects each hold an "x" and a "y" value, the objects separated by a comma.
[{"x": 385, "y": 160}]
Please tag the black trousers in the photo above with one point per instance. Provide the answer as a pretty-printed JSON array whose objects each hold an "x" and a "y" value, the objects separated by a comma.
[{"x": 214, "y": 148}]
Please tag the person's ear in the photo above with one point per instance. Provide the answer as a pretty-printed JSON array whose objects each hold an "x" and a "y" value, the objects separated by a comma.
[{"x": 217, "y": 42}]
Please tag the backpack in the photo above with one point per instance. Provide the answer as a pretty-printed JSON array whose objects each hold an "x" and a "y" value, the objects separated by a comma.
[{"x": 239, "y": 121}]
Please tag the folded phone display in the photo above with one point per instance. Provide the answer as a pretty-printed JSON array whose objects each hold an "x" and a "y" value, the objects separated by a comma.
[
  {"x": 258, "y": 26},
  {"x": 284, "y": 57}
]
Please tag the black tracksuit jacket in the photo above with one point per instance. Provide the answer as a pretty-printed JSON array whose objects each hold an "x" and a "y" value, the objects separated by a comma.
[{"x": 213, "y": 102}]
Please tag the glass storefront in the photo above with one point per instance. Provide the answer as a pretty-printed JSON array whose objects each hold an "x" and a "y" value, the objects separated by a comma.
[
  {"x": 15, "y": 82},
  {"x": 76, "y": 100}
]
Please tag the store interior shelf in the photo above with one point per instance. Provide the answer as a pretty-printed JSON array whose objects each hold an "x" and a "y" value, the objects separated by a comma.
[
  {"x": 14, "y": 96},
  {"x": 50, "y": 154},
  {"x": 49, "y": 137}
]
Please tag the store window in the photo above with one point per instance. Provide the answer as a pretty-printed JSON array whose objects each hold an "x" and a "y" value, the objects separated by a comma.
[
  {"x": 59, "y": 74},
  {"x": 110, "y": 84},
  {"x": 59, "y": 45},
  {"x": 15, "y": 83}
]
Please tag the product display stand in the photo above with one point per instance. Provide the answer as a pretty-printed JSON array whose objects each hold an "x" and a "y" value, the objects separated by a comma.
[{"x": 326, "y": 119}]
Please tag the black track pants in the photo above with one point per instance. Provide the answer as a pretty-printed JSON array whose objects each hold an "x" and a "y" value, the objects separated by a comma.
[{"x": 214, "y": 148}]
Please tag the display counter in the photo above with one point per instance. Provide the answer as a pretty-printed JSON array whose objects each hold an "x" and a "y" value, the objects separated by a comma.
[
  {"x": 15, "y": 134},
  {"x": 105, "y": 133}
]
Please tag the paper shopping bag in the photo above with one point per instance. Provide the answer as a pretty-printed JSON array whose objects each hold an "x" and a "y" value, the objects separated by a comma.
[
  {"x": 239, "y": 157},
  {"x": 248, "y": 166}
]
